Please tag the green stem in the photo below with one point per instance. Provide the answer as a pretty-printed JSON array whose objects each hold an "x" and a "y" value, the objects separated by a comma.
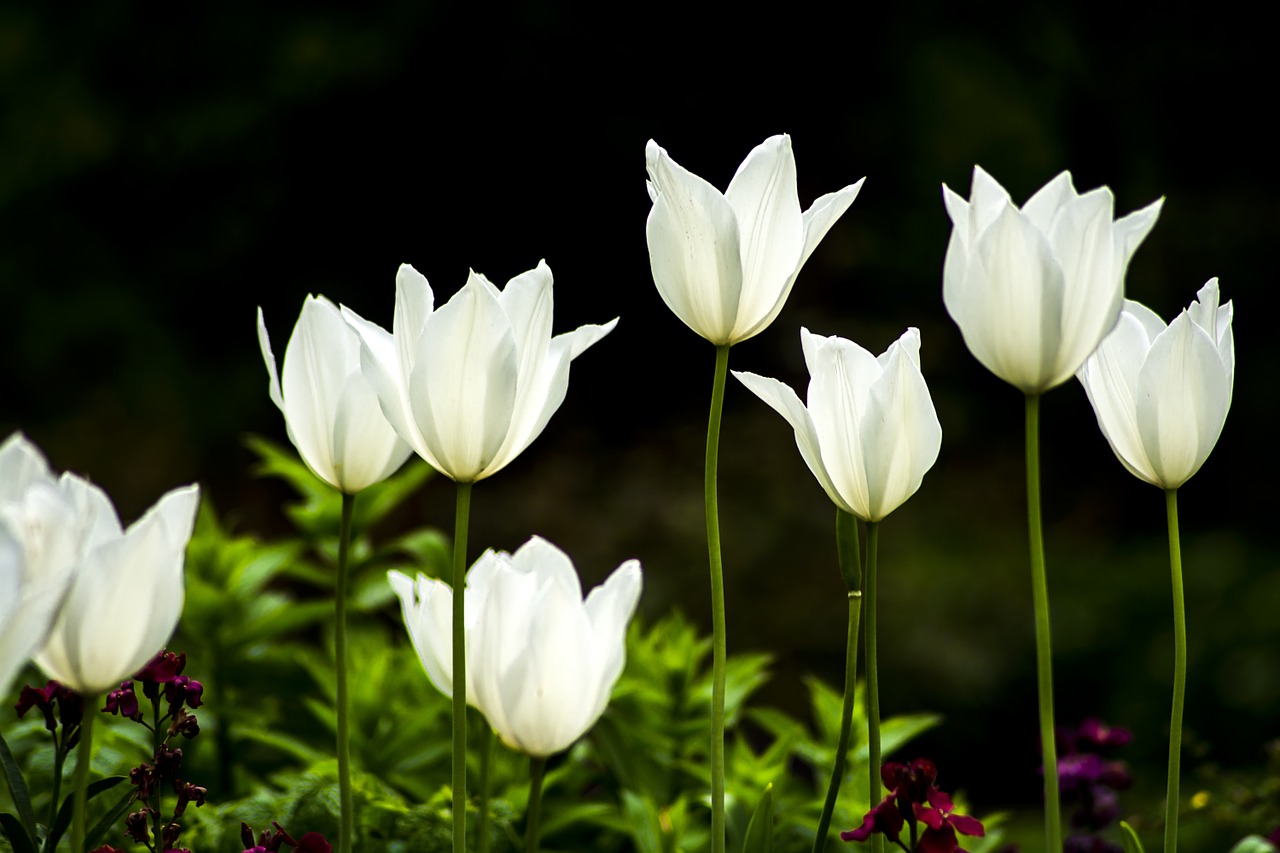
[
  {"x": 486, "y": 759},
  {"x": 851, "y": 571},
  {"x": 1179, "y": 675},
  {"x": 84, "y": 756},
  {"x": 346, "y": 816},
  {"x": 873, "y": 678},
  {"x": 537, "y": 770},
  {"x": 157, "y": 741},
  {"x": 461, "y": 520},
  {"x": 1044, "y": 639},
  {"x": 719, "y": 643},
  {"x": 59, "y": 758}
]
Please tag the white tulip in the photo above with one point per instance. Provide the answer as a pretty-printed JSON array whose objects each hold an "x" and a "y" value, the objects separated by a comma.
[
  {"x": 1034, "y": 290},
  {"x": 1161, "y": 393},
  {"x": 869, "y": 432},
  {"x": 330, "y": 410},
  {"x": 126, "y": 591},
  {"x": 541, "y": 662},
  {"x": 725, "y": 262},
  {"x": 470, "y": 385}
]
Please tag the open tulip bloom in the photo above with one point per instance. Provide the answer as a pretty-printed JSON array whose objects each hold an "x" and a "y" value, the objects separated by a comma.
[
  {"x": 330, "y": 410},
  {"x": 471, "y": 384},
  {"x": 725, "y": 262},
  {"x": 542, "y": 661},
  {"x": 1161, "y": 395},
  {"x": 869, "y": 433},
  {"x": 1035, "y": 289}
]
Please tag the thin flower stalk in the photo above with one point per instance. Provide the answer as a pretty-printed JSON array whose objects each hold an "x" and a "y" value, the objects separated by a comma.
[
  {"x": 346, "y": 816},
  {"x": 718, "y": 642},
  {"x": 486, "y": 760},
  {"x": 461, "y": 521},
  {"x": 1044, "y": 652},
  {"x": 851, "y": 571},
  {"x": 1179, "y": 675},
  {"x": 873, "y": 678},
  {"x": 533, "y": 814},
  {"x": 84, "y": 756}
]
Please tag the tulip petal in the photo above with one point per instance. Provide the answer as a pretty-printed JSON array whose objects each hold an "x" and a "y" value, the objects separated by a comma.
[
  {"x": 817, "y": 221},
  {"x": 1110, "y": 380},
  {"x": 427, "y": 607},
  {"x": 462, "y": 387},
  {"x": 1044, "y": 205},
  {"x": 785, "y": 402},
  {"x": 1011, "y": 303},
  {"x": 366, "y": 449},
  {"x": 770, "y": 227},
  {"x": 841, "y": 376},
  {"x": 273, "y": 377},
  {"x": 25, "y": 619},
  {"x": 899, "y": 431},
  {"x": 414, "y": 305},
  {"x": 1183, "y": 396},
  {"x": 694, "y": 248},
  {"x": 316, "y": 361},
  {"x": 1132, "y": 229}
]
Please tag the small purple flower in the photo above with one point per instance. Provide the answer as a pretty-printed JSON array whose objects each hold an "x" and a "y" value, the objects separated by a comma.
[
  {"x": 913, "y": 797},
  {"x": 136, "y": 826},
  {"x": 123, "y": 702}
]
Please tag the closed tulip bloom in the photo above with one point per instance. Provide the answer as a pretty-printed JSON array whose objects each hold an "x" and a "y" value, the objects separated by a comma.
[
  {"x": 1161, "y": 393},
  {"x": 869, "y": 431},
  {"x": 1035, "y": 289},
  {"x": 330, "y": 410},
  {"x": 126, "y": 591},
  {"x": 541, "y": 662},
  {"x": 725, "y": 262},
  {"x": 471, "y": 384}
]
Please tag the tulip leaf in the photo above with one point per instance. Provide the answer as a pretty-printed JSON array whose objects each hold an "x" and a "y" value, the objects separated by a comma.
[
  {"x": 63, "y": 819},
  {"x": 17, "y": 836},
  {"x": 1129, "y": 839},
  {"x": 1252, "y": 844},
  {"x": 18, "y": 789},
  {"x": 102, "y": 827},
  {"x": 759, "y": 837}
]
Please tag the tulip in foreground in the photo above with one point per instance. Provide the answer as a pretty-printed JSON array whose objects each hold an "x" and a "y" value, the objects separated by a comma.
[
  {"x": 725, "y": 262},
  {"x": 126, "y": 592},
  {"x": 869, "y": 432},
  {"x": 330, "y": 410},
  {"x": 470, "y": 385},
  {"x": 542, "y": 662},
  {"x": 1035, "y": 289},
  {"x": 1161, "y": 393}
]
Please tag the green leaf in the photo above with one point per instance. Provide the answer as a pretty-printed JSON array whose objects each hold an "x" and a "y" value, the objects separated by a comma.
[
  {"x": 1129, "y": 839},
  {"x": 1250, "y": 844},
  {"x": 63, "y": 819},
  {"x": 102, "y": 827},
  {"x": 760, "y": 830},
  {"x": 18, "y": 838},
  {"x": 18, "y": 788}
]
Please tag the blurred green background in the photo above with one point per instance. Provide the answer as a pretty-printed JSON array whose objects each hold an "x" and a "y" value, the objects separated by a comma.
[{"x": 167, "y": 168}]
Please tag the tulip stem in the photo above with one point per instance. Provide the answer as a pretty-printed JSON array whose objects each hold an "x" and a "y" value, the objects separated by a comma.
[
  {"x": 719, "y": 643},
  {"x": 84, "y": 755},
  {"x": 345, "y": 816},
  {"x": 1044, "y": 639},
  {"x": 1179, "y": 675},
  {"x": 873, "y": 678},
  {"x": 486, "y": 759},
  {"x": 533, "y": 814},
  {"x": 851, "y": 571},
  {"x": 461, "y": 520}
]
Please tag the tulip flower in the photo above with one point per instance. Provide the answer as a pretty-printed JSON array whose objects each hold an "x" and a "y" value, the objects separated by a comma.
[
  {"x": 470, "y": 385},
  {"x": 869, "y": 432},
  {"x": 725, "y": 262},
  {"x": 330, "y": 410},
  {"x": 1035, "y": 289},
  {"x": 1161, "y": 393},
  {"x": 541, "y": 661},
  {"x": 126, "y": 591}
]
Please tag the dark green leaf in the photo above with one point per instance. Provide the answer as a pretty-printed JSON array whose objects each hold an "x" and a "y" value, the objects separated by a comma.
[
  {"x": 18, "y": 838},
  {"x": 18, "y": 788},
  {"x": 63, "y": 819},
  {"x": 102, "y": 827},
  {"x": 1129, "y": 839},
  {"x": 760, "y": 830}
]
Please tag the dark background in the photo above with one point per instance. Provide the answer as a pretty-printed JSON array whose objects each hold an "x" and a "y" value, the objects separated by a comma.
[{"x": 166, "y": 168}]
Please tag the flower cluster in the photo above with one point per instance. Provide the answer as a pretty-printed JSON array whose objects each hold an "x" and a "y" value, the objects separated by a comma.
[
  {"x": 914, "y": 798},
  {"x": 1092, "y": 780},
  {"x": 69, "y": 704},
  {"x": 269, "y": 841}
]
